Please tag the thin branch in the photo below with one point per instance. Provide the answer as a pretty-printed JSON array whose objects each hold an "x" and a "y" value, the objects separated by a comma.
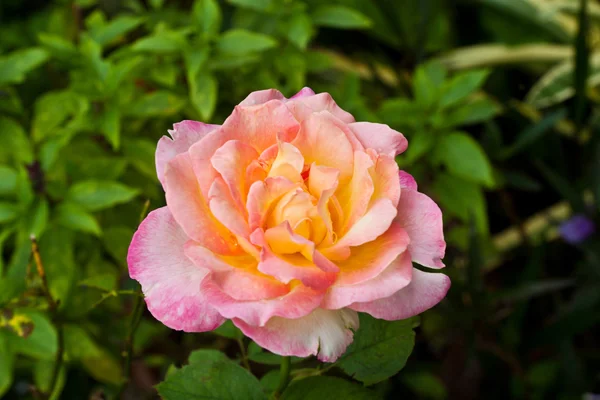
[
  {"x": 53, "y": 305},
  {"x": 240, "y": 343},
  {"x": 284, "y": 376}
]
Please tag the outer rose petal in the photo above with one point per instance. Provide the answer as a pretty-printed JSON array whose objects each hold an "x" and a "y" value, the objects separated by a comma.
[
  {"x": 170, "y": 281},
  {"x": 304, "y": 92},
  {"x": 422, "y": 219},
  {"x": 303, "y": 106},
  {"x": 184, "y": 134},
  {"x": 425, "y": 290},
  {"x": 380, "y": 137},
  {"x": 396, "y": 276},
  {"x": 325, "y": 332},
  {"x": 262, "y": 96},
  {"x": 299, "y": 302},
  {"x": 190, "y": 208},
  {"x": 407, "y": 181}
]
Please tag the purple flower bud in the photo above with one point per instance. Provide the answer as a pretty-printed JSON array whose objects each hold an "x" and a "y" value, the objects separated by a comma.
[{"x": 576, "y": 229}]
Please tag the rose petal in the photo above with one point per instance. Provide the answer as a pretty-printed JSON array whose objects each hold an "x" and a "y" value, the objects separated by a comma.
[
  {"x": 258, "y": 126},
  {"x": 304, "y": 92},
  {"x": 303, "y": 106},
  {"x": 170, "y": 281},
  {"x": 394, "y": 277},
  {"x": 184, "y": 134},
  {"x": 356, "y": 196},
  {"x": 425, "y": 290},
  {"x": 231, "y": 161},
  {"x": 298, "y": 302},
  {"x": 407, "y": 181},
  {"x": 380, "y": 137},
  {"x": 287, "y": 256},
  {"x": 262, "y": 96},
  {"x": 236, "y": 276},
  {"x": 374, "y": 223},
  {"x": 322, "y": 142},
  {"x": 223, "y": 207},
  {"x": 262, "y": 195},
  {"x": 190, "y": 208},
  {"x": 323, "y": 333},
  {"x": 385, "y": 179},
  {"x": 422, "y": 219}
]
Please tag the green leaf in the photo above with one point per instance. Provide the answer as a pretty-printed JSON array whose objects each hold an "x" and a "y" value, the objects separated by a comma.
[
  {"x": 106, "y": 282},
  {"x": 299, "y": 30},
  {"x": 100, "y": 364},
  {"x": 97, "y": 195},
  {"x": 465, "y": 158},
  {"x": 8, "y": 212},
  {"x": 206, "y": 357},
  {"x": 8, "y": 180},
  {"x": 461, "y": 198},
  {"x": 37, "y": 218},
  {"x": 427, "y": 83},
  {"x": 221, "y": 379},
  {"x": 115, "y": 29},
  {"x": 57, "y": 252},
  {"x": 207, "y": 15},
  {"x": 238, "y": 42},
  {"x": 402, "y": 113},
  {"x": 582, "y": 65},
  {"x": 229, "y": 330},
  {"x": 116, "y": 240},
  {"x": 42, "y": 375},
  {"x": 461, "y": 86},
  {"x": 557, "y": 84},
  {"x": 259, "y": 5},
  {"x": 140, "y": 153},
  {"x": 77, "y": 218},
  {"x": 6, "y": 365},
  {"x": 55, "y": 109},
  {"x": 13, "y": 282},
  {"x": 203, "y": 93},
  {"x": 110, "y": 124},
  {"x": 327, "y": 388},
  {"x": 20, "y": 148},
  {"x": 159, "y": 103},
  {"x": 41, "y": 343},
  {"x": 60, "y": 48},
  {"x": 163, "y": 42},
  {"x": 341, "y": 17},
  {"x": 420, "y": 144},
  {"x": 477, "y": 109},
  {"x": 379, "y": 350},
  {"x": 14, "y": 66}
]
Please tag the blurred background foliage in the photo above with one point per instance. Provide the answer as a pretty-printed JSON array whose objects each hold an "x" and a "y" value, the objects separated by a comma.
[{"x": 499, "y": 101}]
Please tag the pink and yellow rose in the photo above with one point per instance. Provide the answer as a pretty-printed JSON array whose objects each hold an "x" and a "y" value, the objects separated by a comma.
[{"x": 288, "y": 219}]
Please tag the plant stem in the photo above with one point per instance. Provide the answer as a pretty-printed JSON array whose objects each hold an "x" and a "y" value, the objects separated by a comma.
[
  {"x": 284, "y": 377},
  {"x": 244, "y": 354},
  {"x": 53, "y": 306}
]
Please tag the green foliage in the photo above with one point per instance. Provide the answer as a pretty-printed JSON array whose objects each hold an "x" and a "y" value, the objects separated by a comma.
[
  {"x": 220, "y": 377},
  {"x": 379, "y": 350},
  {"x": 327, "y": 387}
]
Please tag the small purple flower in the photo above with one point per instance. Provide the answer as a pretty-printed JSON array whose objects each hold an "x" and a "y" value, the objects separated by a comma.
[{"x": 576, "y": 229}]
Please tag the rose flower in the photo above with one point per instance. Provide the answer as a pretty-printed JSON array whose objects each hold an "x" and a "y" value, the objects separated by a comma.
[{"x": 288, "y": 219}]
